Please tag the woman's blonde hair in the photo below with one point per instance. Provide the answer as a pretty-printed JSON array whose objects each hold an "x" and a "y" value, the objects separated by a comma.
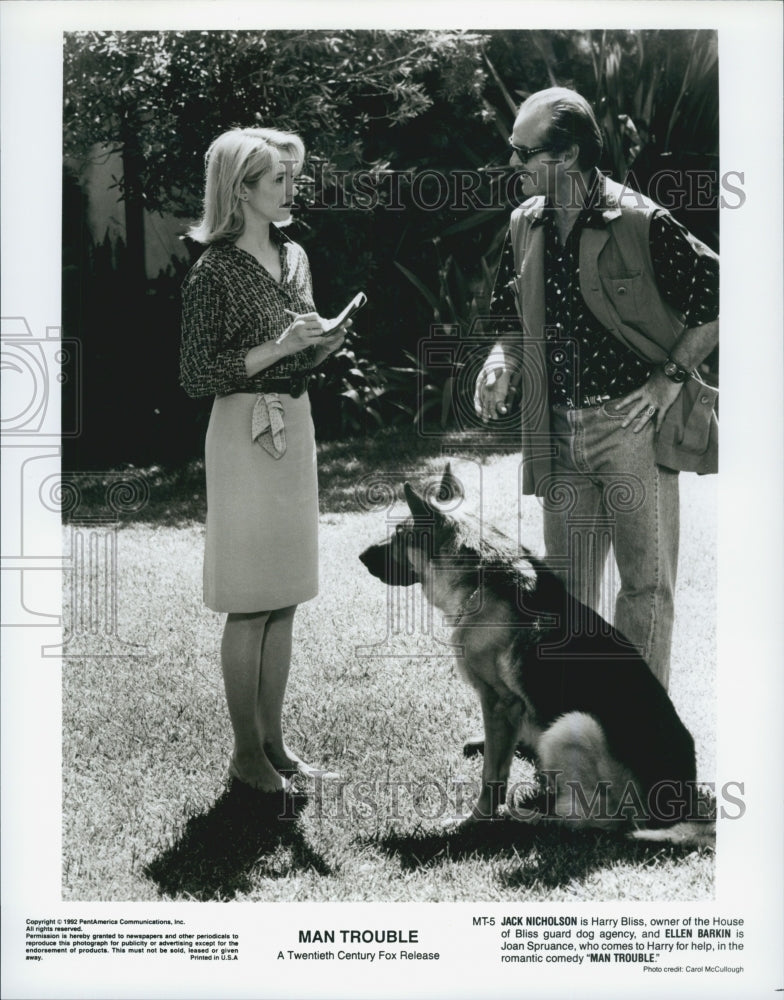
[{"x": 240, "y": 156}]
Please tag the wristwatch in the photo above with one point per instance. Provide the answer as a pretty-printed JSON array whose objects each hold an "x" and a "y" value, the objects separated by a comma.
[{"x": 676, "y": 372}]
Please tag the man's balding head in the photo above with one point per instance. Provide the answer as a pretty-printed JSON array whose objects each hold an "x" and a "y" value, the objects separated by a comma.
[{"x": 570, "y": 120}]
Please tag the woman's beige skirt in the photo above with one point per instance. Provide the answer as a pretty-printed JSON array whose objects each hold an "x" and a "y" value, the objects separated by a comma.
[{"x": 262, "y": 512}]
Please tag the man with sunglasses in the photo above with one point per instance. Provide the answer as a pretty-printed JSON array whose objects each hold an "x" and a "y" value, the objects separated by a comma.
[{"x": 618, "y": 308}]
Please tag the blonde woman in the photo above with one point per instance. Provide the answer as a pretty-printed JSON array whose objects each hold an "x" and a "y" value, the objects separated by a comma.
[{"x": 250, "y": 336}]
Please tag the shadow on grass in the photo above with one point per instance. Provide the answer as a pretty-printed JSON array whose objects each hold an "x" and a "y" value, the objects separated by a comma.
[
  {"x": 548, "y": 857},
  {"x": 222, "y": 853}
]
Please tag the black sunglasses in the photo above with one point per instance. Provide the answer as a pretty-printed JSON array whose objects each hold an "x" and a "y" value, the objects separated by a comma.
[{"x": 525, "y": 153}]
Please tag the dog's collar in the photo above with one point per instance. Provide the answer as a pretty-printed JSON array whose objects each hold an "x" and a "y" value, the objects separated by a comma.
[{"x": 464, "y": 607}]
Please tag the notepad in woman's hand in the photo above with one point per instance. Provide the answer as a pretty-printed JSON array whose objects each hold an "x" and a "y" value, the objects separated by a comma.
[{"x": 356, "y": 303}]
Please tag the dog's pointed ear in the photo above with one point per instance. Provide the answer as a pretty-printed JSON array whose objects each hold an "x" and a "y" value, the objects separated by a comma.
[
  {"x": 450, "y": 488},
  {"x": 419, "y": 507}
]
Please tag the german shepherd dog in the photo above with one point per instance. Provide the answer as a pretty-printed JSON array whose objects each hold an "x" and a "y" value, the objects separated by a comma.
[{"x": 553, "y": 677}]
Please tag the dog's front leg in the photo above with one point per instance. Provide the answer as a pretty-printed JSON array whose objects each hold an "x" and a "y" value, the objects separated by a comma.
[{"x": 501, "y": 718}]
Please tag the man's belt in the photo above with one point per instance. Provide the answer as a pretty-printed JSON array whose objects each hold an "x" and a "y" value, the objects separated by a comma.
[{"x": 587, "y": 401}]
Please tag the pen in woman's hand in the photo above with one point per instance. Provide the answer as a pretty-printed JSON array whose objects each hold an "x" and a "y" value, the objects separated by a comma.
[{"x": 285, "y": 333}]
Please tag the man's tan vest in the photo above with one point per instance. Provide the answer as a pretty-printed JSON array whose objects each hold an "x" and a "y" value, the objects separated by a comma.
[{"x": 618, "y": 284}]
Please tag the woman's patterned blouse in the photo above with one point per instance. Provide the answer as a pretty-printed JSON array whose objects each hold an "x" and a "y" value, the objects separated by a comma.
[{"x": 230, "y": 303}]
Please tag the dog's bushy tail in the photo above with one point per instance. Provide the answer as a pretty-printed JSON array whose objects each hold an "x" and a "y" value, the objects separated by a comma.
[{"x": 697, "y": 833}]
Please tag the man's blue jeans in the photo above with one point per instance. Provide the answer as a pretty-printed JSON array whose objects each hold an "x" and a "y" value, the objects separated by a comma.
[{"x": 606, "y": 490}]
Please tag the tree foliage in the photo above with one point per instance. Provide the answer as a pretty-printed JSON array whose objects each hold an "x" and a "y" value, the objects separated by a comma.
[{"x": 171, "y": 93}]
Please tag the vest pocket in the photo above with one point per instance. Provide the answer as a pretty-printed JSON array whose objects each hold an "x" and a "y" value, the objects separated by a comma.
[
  {"x": 626, "y": 294},
  {"x": 688, "y": 439}
]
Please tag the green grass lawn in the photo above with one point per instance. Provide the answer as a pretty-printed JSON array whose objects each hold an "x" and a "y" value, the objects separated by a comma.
[{"x": 373, "y": 694}]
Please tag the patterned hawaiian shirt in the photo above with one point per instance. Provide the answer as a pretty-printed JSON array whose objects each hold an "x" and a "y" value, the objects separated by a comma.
[
  {"x": 586, "y": 359},
  {"x": 230, "y": 303}
]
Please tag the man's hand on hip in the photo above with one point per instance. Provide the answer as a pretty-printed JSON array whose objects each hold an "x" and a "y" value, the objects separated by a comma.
[{"x": 649, "y": 403}]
